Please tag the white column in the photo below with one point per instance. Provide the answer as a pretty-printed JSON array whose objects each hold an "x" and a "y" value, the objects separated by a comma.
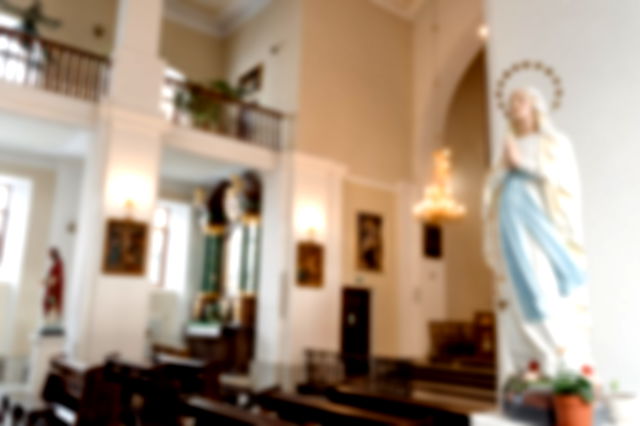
[
  {"x": 109, "y": 313},
  {"x": 313, "y": 313},
  {"x": 137, "y": 72}
]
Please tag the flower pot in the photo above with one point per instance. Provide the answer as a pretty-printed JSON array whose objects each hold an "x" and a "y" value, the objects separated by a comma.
[{"x": 571, "y": 410}]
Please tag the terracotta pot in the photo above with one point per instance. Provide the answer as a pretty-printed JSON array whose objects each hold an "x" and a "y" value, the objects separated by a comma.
[{"x": 571, "y": 410}]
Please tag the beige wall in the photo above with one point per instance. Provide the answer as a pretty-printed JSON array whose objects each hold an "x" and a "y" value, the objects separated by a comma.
[
  {"x": 355, "y": 100},
  {"x": 358, "y": 198},
  {"x": 79, "y": 17},
  {"x": 445, "y": 42},
  {"x": 30, "y": 290},
  {"x": 196, "y": 54},
  {"x": 271, "y": 38},
  {"x": 469, "y": 283}
]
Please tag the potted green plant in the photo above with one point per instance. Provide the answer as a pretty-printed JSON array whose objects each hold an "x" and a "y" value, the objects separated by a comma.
[
  {"x": 205, "y": 105},
  {"x": 573, "y": 397}
]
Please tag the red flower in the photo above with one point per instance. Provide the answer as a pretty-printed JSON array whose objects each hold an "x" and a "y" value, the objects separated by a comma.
[
  {"x": 534, "y": 366},
  {"x": 587, "y": 370}
]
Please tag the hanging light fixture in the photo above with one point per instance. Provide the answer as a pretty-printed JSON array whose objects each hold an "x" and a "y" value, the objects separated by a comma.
[{"x": 438, "y": 204}]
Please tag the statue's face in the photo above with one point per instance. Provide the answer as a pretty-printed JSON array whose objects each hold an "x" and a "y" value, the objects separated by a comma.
[{"x": 521, "y": 108}]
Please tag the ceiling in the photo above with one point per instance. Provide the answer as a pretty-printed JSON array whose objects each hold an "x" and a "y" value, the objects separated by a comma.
[
  {"x": 214, "y": 8},
  {"x": 41, "y": 137},
  {"x": 406, "y": 9},
  {"x": 216, "y": 17},
  {"x": 184, "y": 167}
]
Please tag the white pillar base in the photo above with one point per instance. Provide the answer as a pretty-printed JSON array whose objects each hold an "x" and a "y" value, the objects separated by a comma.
[{"x": 43, "y": 348}]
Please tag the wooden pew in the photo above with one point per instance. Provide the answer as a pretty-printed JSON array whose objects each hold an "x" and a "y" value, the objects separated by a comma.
[
  {"x": 313, "y": 409},
  {"x": 208, "y": 411},
  {"x": 21, "y": 408},
  {"x": 435, "y": 407},
  {"x": 80, "y": 395}
]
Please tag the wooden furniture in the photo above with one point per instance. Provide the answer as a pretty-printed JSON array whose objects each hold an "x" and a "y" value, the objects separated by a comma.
[
  {"x": 21, "y": 408},
  {"x": 208, "y": 411},
  {"x": 312, "y": 409},
  {"x": 190, "y": 375},
  {"x": 459, "y": 342},
  {"x": 231, "y": 348},
  {"x": 81, "y": 395},
  {"x": 147, "y": 394},
  {"x": 437, "y": 408}
]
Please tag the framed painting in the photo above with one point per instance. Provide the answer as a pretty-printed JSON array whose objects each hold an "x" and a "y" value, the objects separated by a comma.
[
  {"x": 370, "y": 244},
  {"x": 432, "y": 240},
  {"x": 125, "y": 247},
  {"x": 310, "y": 264},
  {"x": 250, "y": 83}
]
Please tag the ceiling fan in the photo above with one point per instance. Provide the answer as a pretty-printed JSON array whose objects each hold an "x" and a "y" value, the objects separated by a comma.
[{"x": 31, "y": 16}]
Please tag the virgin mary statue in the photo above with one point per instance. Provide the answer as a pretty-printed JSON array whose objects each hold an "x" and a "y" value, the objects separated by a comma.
[{"x": 533, "y": 244}]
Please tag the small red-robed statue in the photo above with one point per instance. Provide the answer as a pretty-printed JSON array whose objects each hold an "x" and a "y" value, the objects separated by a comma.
[{"x": 54, "y": 288}]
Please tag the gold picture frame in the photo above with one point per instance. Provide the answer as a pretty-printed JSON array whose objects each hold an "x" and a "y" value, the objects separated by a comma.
[
  {"x": 310, "y": 264},
  {"x": 370, "y": 243},
  {"x": 125, "y": 247}
]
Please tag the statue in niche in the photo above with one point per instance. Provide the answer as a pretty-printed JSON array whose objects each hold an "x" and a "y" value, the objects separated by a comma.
[
  {"x": 533, "y": 244},
  {"x": 54, "y": 290}
]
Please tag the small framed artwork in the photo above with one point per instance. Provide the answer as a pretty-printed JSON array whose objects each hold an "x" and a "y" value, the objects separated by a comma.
[
  {"x": 125, "y": 248},
  {"x": 310, "y": 264},
  {"x": 370, "y": 244},
  {"x": 251, "y": 83}
]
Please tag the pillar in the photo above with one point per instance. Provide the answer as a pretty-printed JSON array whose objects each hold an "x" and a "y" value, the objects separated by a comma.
[{"x": 108, "y": 312}]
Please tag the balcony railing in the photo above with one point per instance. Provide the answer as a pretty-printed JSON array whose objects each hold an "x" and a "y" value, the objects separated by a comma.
[
  {"x": 38, "y": 62},
  {"x": 194, "y": 105}
]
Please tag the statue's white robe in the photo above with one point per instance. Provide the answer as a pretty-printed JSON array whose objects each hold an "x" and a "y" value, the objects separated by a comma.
[{"x": 562, "y": 336}]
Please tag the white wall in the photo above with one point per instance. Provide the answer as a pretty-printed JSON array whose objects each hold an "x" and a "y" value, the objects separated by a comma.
[
  {"x": 271, "y": 38},
  {"x": 593, "y": 45},
  {"x": 313, "y": 319},
  {"x": 361, "y": 196},
  {"x": 28, "y": 289}
]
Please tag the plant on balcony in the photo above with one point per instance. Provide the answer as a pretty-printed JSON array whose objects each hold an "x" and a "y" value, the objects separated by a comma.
[{"x": 206, "y": 105}]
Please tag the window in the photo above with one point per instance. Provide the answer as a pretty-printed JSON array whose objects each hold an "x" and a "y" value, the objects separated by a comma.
[
  {"x": 233, "y": 261},
  {"x": 159, "y": 246},
  {"x": 15, "y": 205},
  {"x": 170, "y": 246},
  {"x": 5, "y": 202},
  {"x": 12, "y": 54},
  {"x": 241, "y": 262},
  {"x": 169, "y": 90}
]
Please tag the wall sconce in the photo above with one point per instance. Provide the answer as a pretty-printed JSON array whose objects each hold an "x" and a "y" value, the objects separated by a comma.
[
  {"x": 310, "y": 222},
  {"x": 128, "y": 193}
]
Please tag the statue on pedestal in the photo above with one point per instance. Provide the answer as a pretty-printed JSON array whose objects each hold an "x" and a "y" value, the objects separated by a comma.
[
  {"x": 533, "y": 243},
  {"x": 54, "y": 290}
]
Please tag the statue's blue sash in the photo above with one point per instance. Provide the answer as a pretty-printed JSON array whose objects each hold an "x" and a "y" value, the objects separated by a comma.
[{"x": 522, "y": 219}]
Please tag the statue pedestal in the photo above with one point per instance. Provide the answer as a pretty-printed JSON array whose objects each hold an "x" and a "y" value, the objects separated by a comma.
[
  {"x": 45, "y": 344},
  {"x": 494, "y": 419}
]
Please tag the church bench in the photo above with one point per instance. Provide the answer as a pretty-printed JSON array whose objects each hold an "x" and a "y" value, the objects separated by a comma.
[
  {"x": 209, "y": 411},
  {"x": 438, "y": 408},
  {"x": 312, "y": 409},
  {"x": 18, "y": 407},
  {"x": 80, "y": 395}
]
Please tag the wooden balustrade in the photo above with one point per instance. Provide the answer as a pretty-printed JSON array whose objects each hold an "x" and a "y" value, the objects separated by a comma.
[
  {"x": 191, "y": 104},
  {"x": 56, "y": 67}
]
